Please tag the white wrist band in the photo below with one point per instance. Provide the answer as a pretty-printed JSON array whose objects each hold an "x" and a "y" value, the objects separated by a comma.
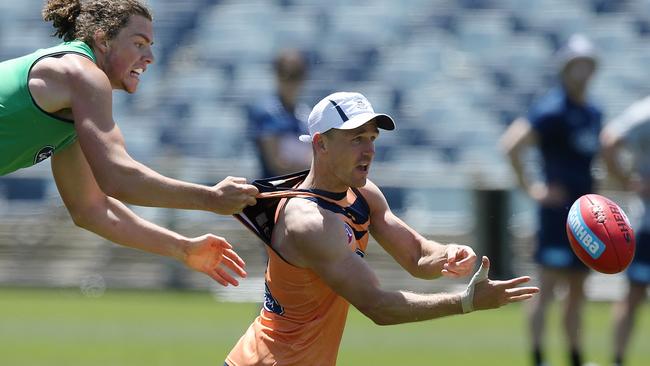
[{"x": 467, "y": 297}]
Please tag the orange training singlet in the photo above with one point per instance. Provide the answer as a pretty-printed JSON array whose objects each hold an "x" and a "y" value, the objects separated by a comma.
[{"x": 303, "y": 319}]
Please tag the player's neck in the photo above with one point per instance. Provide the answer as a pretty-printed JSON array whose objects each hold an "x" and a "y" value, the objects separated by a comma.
[
  {"x": 577, "y": 98},
  {"x": 324, "y": 182},
  {"x": 288, "y": 100},
  {"x": 577, "y": 95}
]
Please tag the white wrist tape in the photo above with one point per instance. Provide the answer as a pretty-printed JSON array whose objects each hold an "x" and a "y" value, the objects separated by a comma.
[{"x": 467, "y": 297}]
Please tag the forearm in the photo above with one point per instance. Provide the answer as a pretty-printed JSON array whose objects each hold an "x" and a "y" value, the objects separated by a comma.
[
  {"x": 431, "y": 262},
  {"x": 139, "y": 185},
  {"x": 611, "y": 158},
  {"x": 515, "y": 140},
  {"x": 116, "y": 222},
  {"x": 518, "y": 169},
  {"x": 405, "y": 307}
]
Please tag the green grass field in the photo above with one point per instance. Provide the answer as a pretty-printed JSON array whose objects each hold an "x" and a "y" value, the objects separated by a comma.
[{"x": 62, "y": 327}]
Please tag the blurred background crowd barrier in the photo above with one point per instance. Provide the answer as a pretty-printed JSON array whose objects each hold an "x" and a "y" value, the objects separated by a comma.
[{"x": 452, "y": 73}]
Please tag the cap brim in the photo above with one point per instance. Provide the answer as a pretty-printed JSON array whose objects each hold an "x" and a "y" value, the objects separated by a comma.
[
  {"x": 384, "y": 121},
  {"x": 578, "y": 57}
]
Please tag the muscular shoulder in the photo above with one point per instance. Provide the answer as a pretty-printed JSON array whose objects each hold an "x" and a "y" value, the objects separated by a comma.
[
  {"x": 68, "y": 67},
  {"x": 304, "y": 218},
  {"x": 83, "y": 71},
  {"x": 374, "y": 196},
  {"x": 53, "y": 79},
  {"x": 306, "y": 232}
]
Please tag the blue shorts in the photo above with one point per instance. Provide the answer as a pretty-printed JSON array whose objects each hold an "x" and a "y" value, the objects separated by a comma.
[
  {"x": 639, "y": 270},
  {"x": 553, "y": 249}
]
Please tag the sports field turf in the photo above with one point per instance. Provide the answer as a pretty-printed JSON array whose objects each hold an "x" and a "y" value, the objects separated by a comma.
[{"x": 62, "y": 327}]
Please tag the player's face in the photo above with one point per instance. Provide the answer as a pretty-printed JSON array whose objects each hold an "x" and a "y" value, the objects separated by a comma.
[
  {"x": 578, "y": 73},
  {"x": 129, "y": 53},
  {"x": 351, "y": 152}
]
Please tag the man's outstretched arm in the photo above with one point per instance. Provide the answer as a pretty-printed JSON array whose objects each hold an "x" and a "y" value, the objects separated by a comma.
[
  {"x": 322, "y": 242},
  {"x": 91, "y": 209},
  {"x": 422, "y": 258}
]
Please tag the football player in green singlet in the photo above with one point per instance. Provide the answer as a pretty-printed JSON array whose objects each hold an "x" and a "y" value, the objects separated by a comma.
[{"x": 58, "y": 102}]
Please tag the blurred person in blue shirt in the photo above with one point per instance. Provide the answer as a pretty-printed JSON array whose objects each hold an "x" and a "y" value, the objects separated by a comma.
[
  {"x": 630, "y": 132},
  {"x": 276, "y": 121},
  {"x": 564, "y": 125}
]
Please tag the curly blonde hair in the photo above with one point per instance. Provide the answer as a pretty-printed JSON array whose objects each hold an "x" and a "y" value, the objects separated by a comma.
[{"x": 79, "y": 20}]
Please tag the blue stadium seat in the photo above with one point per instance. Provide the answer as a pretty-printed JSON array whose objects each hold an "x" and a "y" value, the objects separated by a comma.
[{"x": 23, "y": 188}]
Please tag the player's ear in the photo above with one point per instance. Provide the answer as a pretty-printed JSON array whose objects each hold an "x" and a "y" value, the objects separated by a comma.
[
  {"x": 320, "y": 142},
  {"x": 100, "y": 40}
]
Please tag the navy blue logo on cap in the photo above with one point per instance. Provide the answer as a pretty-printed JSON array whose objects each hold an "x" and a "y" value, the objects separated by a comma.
[{"x": 44, "y": 153}]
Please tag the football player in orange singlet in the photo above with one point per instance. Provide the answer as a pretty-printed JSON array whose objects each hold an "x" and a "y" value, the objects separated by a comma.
[{"x": 316, "y": 233}]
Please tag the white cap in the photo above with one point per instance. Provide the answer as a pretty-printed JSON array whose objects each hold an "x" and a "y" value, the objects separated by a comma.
[
  {"x": 344, "y": 111},
  {"x": 577, "y": 47}
]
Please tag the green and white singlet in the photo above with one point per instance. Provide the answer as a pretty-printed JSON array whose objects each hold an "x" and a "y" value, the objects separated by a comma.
[{"x": 29, "y": 135}]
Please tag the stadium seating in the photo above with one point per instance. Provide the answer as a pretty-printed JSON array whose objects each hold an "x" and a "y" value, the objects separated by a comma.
[{"x": 452, "y": 72}]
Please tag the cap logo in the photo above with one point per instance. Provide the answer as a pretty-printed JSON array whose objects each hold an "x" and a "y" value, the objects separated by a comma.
[
  {"x": 362, "y": 104},
  {"x": 344, "y": 117}
]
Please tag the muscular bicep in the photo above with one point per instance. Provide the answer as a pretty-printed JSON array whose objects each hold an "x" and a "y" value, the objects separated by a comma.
[
  {"x": 398, "y": 239},
  {"x": 92, "y": 108},
  {"x": 325, "y": 250},
  {"x": 75, "y": 181}
]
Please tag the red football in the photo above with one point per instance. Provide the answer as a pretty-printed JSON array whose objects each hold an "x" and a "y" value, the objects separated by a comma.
[{"x": 600, "y": 234}]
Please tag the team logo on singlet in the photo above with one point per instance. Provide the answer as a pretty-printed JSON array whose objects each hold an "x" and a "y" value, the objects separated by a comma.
[
  {"x": 43, "y": 154},
  {"x": 270, "y": 303}
]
